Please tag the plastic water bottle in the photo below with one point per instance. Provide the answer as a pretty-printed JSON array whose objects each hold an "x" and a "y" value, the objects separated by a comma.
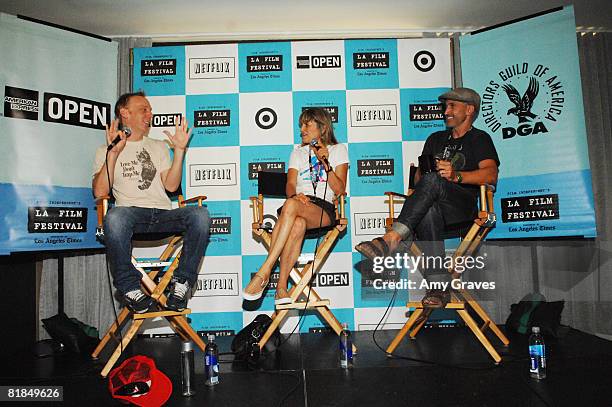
[
  {"x": 211, "y": 362},
  {"x": 346, "y": 347},
  {"x": 537, "y": 354},
  {"x": 187, "y": 368}
]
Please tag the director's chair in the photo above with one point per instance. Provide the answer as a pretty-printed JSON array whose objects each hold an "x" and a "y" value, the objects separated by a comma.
[
  {"x": 472, "y": 234},
  {"x": 273, "y": 184},
  {"x": 167, "y": 262}
]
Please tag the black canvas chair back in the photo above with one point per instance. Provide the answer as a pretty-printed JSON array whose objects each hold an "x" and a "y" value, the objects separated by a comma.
[{"x": 272, "y": 184}]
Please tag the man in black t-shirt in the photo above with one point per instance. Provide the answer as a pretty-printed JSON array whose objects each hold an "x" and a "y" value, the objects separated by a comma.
[{"x": 465, "y": 158}]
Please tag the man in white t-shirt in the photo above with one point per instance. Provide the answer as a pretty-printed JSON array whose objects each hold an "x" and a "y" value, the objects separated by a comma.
[{"x": 140, "y": 171}]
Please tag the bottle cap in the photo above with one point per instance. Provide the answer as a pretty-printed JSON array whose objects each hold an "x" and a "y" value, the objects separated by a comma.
[
  {"x": 211, "y": 337},
  {"x": 535, "y": 329},
  {"x": 186, "y": 346},
  {"x": 345, "y": 325}
]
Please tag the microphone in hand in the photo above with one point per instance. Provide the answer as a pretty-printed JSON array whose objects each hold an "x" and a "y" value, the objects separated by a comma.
[
  {"x": 315, "y": 144},
  {"x": 127, "y": 131}
]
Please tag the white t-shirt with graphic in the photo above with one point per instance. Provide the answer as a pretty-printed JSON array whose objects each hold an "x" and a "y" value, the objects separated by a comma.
[
  {"x": 311, "y": 173},
  {"x": 137, "y": 179}
]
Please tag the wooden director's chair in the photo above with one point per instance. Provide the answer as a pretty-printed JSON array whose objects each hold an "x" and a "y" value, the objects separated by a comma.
[
  {"x": 273, "y": 184},
  {"x": 167, "y": 261},
  {"x": 471, "y": 236}
]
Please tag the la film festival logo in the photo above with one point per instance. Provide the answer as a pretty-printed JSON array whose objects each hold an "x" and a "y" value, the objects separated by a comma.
[{"x": 522, "y": 100}]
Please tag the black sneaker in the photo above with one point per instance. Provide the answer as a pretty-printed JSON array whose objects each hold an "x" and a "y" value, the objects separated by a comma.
[
  {"x": 137, "y": 301},
  {"x": 177, "y": 298}
]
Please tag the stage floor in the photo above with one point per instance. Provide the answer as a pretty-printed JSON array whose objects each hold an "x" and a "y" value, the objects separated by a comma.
[{"x": 306, "y": 372}]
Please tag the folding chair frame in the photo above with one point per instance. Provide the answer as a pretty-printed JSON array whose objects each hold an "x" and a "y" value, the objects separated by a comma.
[
  {"x": 461, "y": 300},
  {"x": 301, "y": 279},
  {"x": 133, "y": 321}
]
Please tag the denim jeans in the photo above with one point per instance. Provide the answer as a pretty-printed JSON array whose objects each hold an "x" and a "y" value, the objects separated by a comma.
[
  {"x": 434, "y": 204},
  {"x": 122, "y": 222}
]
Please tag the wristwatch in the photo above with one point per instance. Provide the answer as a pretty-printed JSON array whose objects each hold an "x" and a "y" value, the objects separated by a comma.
[{"x": 459, "y": 177}]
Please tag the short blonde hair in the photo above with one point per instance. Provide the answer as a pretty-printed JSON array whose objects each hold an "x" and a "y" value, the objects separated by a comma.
[{"x": 324, "y": 122}]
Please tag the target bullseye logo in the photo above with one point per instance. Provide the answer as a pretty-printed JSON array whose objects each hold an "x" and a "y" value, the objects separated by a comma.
[
  {"x": 424, "y": 61},
  {"x": 265, "y": 118}
]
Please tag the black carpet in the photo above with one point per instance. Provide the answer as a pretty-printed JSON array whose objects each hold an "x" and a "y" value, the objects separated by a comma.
[{"x": 447, "y": 367}]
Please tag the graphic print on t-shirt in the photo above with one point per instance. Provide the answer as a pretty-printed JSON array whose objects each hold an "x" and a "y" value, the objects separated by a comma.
[
  {"x": 315, "y": 172},
  {"x": 143, "y": 168},
  {"x": 453, "y": 152}
]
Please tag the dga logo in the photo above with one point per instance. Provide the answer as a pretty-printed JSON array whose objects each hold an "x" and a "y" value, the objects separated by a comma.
[
  {"x": 217, "y": 285},
  {"x": 522, "y": 100},
  {"x": 75, "y": 111},
  {"x": 373, "y": 115},
  {"x": 375, "y": 168},
  {"x": 371, "y": 223},
  {"x": 265, "y": 118},
  {"x": 424, "y": 61},
  {"x": 333, "y": 111},
  {"x": 221, "y": 225},
  {"x": 212, "y": 68},
  {"x": 165, "y": 119},
  {"x": 20, "y": 103},
  {"x": 205, "y": 175},
  {"x": 267, "y": 166},
  {"x": 318, "y": 61},
  {"x": 158, "y": 67},
  {"x": 371, "y": 60},
  {"x": 211, "y": 118},
  {"x": 264, "y": 63}
]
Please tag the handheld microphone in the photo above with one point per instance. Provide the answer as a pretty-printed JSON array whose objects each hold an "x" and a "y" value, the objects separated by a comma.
[
  {"x": 315, "y": 144},
  {"x": 128, "y": 133}
]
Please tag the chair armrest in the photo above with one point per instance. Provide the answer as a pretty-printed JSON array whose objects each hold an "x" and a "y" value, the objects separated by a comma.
[
  {"x": 392, "y": 193},
  {"x": 102, "y": 208},
  {"x": 257, "y": 203},
  {"x": 198, "y": 199},
  {"x": 339, "y": 202}
]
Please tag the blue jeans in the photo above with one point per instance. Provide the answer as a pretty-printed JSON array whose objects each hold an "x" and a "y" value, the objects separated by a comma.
[
  {"x": 122, "y": 222},
  {"x": 435, "y": 204}
]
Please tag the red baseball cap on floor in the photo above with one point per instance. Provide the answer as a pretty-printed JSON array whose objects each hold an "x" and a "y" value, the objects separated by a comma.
[{"x": 139, "y": 382}]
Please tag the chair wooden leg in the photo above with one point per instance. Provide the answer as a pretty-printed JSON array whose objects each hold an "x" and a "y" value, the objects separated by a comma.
[
  {"x": 479, "y": 334},
  {"x": 280, "y": 316},
  {"x": 421, "y": 322},
  {"x": 400, "y": 335},
  {"x": 187, "y": 331},
  {"x": 111, "y": 332},
  {"x": 484, "y": 316},
  {"x": 131, "y": 332}
]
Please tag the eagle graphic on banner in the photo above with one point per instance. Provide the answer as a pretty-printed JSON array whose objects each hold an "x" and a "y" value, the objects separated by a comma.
[{"x": 522, "y": 105}]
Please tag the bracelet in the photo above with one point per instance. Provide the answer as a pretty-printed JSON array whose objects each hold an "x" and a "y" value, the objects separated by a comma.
[{"x": 292, "y": 196}]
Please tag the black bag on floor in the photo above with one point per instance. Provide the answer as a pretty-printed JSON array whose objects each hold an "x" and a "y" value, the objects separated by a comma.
[
  {"x": 534, "y": 310},
  {"x": 71, "y": 333},
  {"x": 245, "y": 344}
]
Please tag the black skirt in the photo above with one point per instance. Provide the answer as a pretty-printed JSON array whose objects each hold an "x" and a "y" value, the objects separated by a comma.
[{"x": 328, "y": 207}]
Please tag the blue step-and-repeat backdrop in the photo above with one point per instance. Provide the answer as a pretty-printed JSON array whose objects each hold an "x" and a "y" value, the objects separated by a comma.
[{"x": 244, "y": 100}]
